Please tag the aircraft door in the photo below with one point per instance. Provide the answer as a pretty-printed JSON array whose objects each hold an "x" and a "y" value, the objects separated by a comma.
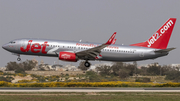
[
  {"x": 23, "y": 43},
  {"x": 16, "y": 45}
]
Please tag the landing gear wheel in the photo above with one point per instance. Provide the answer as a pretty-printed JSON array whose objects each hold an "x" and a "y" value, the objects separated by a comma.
[
  {"x": 87, "y": 64},
  {"x": 19, "y": 59}
]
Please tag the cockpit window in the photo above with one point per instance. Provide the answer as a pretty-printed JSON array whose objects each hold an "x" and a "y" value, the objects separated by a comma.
[{"x": 12, "y": 42}]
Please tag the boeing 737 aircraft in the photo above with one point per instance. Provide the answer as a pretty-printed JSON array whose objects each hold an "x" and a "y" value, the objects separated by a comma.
[{"x": 72, "y": 51}]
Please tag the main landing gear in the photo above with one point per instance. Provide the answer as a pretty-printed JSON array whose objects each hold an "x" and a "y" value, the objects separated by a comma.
[{"x": 87, "y": 64}]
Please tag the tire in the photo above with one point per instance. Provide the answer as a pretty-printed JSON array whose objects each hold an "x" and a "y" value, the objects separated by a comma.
[
  {"x": 19, "y": 59},
  {"x": 87, "y": 64}
]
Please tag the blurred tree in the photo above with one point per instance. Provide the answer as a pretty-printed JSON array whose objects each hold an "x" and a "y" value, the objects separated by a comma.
[
  {"x": 12, "y": 66},
  {"x": 123, "y": 73},
  {"x": 123, "y": 70},
  {"x": 154, "y": 69},
  {"x": 92, "y": 76},
  {"x": 131, "y": 69},
  {"x": 20, "y": 70},
  {"x": 173, "y": 75},
  {"x": 29, "y": 64},
  {"x": 143, "y": 71},
  {"x": 26, "y": 65},
  {"x": 116, "y": 67},
  {"x": 166, "y": 69},
  {"x": 104, "y": 70}
]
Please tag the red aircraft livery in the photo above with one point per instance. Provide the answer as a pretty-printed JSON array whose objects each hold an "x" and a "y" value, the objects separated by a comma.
[{"x": 35, "y": 48}]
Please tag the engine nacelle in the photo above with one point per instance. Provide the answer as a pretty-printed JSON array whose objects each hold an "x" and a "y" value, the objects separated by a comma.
[{"x": 68, "y": 56}]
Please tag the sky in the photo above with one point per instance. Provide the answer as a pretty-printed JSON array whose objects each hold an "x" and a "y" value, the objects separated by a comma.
[{"x": 87, "y": 20}]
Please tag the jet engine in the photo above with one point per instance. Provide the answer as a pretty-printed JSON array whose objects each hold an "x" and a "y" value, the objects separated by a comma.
[{"x": 68, "y": 56}]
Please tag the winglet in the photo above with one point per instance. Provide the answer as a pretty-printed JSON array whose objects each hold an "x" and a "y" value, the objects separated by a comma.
[
  {"x": 114, "y": 41},
  {"x": 110, "y": 41}
]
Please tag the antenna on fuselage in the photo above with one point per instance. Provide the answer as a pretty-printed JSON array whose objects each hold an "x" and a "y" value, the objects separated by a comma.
[{"x": 80, "y": 40}]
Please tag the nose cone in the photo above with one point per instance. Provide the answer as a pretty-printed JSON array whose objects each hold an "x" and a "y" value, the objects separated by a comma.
[{"x": 5, "y": 46}]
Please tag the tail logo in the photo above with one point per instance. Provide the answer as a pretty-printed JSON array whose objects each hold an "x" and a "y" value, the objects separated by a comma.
[
  {"x": 156, "y": 36},
  {"x": 166, "y": 27}
]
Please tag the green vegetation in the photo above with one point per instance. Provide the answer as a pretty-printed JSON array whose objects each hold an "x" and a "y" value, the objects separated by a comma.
[
  {"x": 121, "y": 96},
  {"x": 46, "y": 78},
  {"x": 122, "y": 71},
  {"x": 86, "y": 84},
  {"x": 7, "y": 78},
  {"x": 143, "y": 79},
  {"x": 117, "y": 72}
]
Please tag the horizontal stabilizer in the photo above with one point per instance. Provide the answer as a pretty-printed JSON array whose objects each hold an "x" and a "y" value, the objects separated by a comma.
[{"x": 165, "y": 50}]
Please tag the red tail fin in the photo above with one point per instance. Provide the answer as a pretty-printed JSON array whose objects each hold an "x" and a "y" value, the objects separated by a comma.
[
  {"x": 109, "y": 42},
  {"x": 161, "y": 38}
]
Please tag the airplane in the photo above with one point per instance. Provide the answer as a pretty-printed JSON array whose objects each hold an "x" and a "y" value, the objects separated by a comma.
[{"x": 154, "y": 47}]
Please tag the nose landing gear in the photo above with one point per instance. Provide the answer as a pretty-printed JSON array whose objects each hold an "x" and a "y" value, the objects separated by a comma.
[{"x": 18, "y": 59}]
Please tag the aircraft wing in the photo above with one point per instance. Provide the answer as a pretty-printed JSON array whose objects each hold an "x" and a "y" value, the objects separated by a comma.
[{"x": 94, "y": 53}]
